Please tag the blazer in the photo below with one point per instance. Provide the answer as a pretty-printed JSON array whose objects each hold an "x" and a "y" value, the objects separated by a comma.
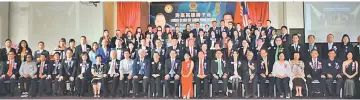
[
  {"x": 108, "y": 65},
  {"x": 194, "y": 51},
  {"x": 16, "y": 67},
  {"x": 286, "y": 38},
  {"x": 231, "y": 69},
  {"x": 177, "y": 66},
  {"x": 157, "y": 68},
  {"x": 261, "y": 66},
  {"x": 226, "y": 51},
  {"x": 269, "y": 30},
  {"x": 342, "y": 50},
  {"x": 55, "y": 67},
  {"x": 196, "y": 32},
  {"x": 214, "y": 67},
  {"x": 5, "y": 53},
  {"x": 178, "y": 50},
  {"x": 300, "y": 48},
  {"x": 332, "y": 67},
  {"x": 46, "y": 69},
  {"x": 161, "y": 52},
  {"x": 69, "y": 70},
  {"x": 206, "y": 67},
  {"x": 314, "y": 73},
  {"x": 37, "y": 54},
  {"x": 245, "y": 67},
  {"x": 79, "y": 50},
  {"x": 307, "y": 51},
  {"x": 357, "y": 52},
  {"x": 257, "y": 52},
  {"x": 137, "y": 66},
  {"x": 325, "y": 49},
  {"x": 105, "y": 58},
  {"x": 87, "y": 67}
]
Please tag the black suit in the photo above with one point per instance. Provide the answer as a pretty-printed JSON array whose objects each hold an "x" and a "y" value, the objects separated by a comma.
[
  {"x": 214, "y": 71},
  {"x": 296, "y": 48},
  {"x": 269, "y": 30},
  {"x": 6, "y": 52},
  {"x": 186, "y": 33},
  {"x": 325, "y": 49},
  {"x": 251, "y": 27},
  {"x": 68, "y": 70},
  {"x": 286, "y": 38},
  {"x": 115, "y": 80},
  {"x": 257, "y": 52},
  {"x": 196, "y": 31},
  {"x": 262, "y": 70},
  {"x": 206, "y": 71},
  {"x": 193, "y": 52},
  {"x": 333, "y": 68},
  {"x": 315, "y": 72},
  {"x": 5, "y": 69},
  {"x": 79, "y": 50},
  {"x": 82, "y": 84},
  {"x": 307, "y": 51},
  {"x": 231, "y": 32},
  {"x": 178, "y": 50},
  {"x": 46, "y": 70},
  {"x": 216, "y": 30},
  {"x": 177, "y": 71},
  {"x": 199, "y": 42},
  {"x": 156, "y": 68},
  {"x": 342, "y": 51},
  {"x": 246, "y": 77}
]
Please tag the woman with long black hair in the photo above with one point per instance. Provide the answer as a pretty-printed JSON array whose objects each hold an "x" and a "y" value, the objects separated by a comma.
[
  {"x": 350, "y": 70},
  {"x": 23, "y": 50}
]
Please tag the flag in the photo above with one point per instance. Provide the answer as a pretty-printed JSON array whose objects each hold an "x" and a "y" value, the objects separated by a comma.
[{"x": 244, "y": 13}]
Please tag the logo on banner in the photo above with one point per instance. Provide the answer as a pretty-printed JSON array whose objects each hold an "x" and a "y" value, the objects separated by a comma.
[
  {"x": 168, "y": 8},
  {"x": 193, "y": 5}
]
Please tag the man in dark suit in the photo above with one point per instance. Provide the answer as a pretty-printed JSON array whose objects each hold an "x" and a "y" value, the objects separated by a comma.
[
  {"x": 141, "y": 71},
  {"x": 264, "y": 72},
  {"x": 41, "y": 50},
  {"x": 197, "y": 29},
  {"x": 112, "y": 67},
  {"x": 219, "y": 72},
  {"x": 10, "y": 71},
  {"x": 159, "y": 49},
  {"x": 214, "y": 28},
  {"x": 113, "y": 39},
  {"x": 249, "y": 26},
  {"x": 328, "y": 46},
  {"x": 269, "y": 28},
  {"x": 296, "y": 47},
  {"x": 310, "y": 47},
  {"x": 202, "y": 72},
  {"x": 231, "y": 29},
  {"x": 313, "y": 71},
  {"x": 223, "y": 28},
  {"x": 172, "y": 73},
  {"x": 191, "y": 49},
  {"x": 260, "y": 45},
  {"x": 237, "y": 39},
  {"x": 8, "y": 49},
  {"x": 285, "y": 37},
  {"x": 333, "y": 71},
  {"x": 175, "y": 47},
  {"x": 259, "y": 26},
  {"x": 43, "y": 73},
  {"x": 200, "y": 39},
  {"x": 83, "y": 47},
  {"x": 68, "y": 68},
  {"x": 249, "y": 73},
  {"x": 157, "y": 73}
]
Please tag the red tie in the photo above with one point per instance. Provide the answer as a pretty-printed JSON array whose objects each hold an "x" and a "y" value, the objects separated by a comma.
[
  {"x": 191, "y": 51},
  {"x": 201, "y": 68},
  {"x": 10, "y": 68},
  {"x": 41, "y": 70},
  {"x": 315, "y": 65}
]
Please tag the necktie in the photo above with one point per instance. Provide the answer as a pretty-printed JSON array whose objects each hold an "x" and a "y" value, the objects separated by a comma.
[
  {"x": 141, "y": 68},
  {"x": 113, "y": 67},
  {"x": 220, "y": 73},
  {"x": 172, "y": 68},
  {"x": 10, "y": 68},
  {"x": 201, "y": 68},
  {"x": 315, "y": 65},
  {"x": 311, "y": 47},
  {"x": 276, "y": 53},
  {"x": 295, "y": 47},
  {"x": 41, "y": 70}
]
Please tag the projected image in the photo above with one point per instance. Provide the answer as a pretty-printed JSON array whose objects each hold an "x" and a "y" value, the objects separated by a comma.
[{"x": 322, "y": 18}]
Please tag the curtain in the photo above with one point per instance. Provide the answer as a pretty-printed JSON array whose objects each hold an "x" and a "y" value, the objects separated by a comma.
[
  {"x": 128, "y": 15},
  {"x": 256, "y": 11}
]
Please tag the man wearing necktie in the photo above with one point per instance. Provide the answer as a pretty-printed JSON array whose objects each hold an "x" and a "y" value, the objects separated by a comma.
[
  {"x": 172, "y": 72},
  {"x": 310, "y": 47},
  {"x": 112, "y": 68},
  {"x": 141, "y": 72},
  {"x": 295, "y": 46},
  {"x": 197, "y": 29},
  {"x": 219, "y": 72},
  {"x": 43, "y": 73},
  {"x": 68, "y": 71},
  {"x": 202, "y": 74},
  {"x": 269, "y": 28},
  {"x": 54, "y": 76},
  {"x": 313, "y": 71},
  {"x": 10, "y": 72},
  {"x": 330, "y": 44},
  {"x": 191, "y": 49},
  {"x": 82, "y": 47},
  {"x": 249, "y": 70}
]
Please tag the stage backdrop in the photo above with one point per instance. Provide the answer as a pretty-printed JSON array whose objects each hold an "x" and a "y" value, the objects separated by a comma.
[{"x": 181, "y": 13}]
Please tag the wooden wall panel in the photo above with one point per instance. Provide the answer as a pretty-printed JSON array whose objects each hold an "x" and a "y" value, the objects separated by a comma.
[
  {"x": 109, "y": 17},
  {"x": 145, "y": 12}
]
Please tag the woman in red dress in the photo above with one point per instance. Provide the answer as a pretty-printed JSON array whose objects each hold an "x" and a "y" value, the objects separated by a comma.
[{"x": 187, "y": 77}]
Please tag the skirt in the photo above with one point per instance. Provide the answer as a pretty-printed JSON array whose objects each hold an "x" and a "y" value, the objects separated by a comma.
[
  {"x": 298, "y": 82},
  {"x": 96, "y": 80},
  {"x": 349, "y": 87}
]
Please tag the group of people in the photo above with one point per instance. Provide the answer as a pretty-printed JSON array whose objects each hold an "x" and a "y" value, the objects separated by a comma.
[{"x": 226, "y": 57}]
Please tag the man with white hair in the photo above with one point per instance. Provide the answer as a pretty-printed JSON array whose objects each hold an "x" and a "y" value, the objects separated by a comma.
[
  {"x": 112, "y": 68},
  {"x": 141, "y": 71}
]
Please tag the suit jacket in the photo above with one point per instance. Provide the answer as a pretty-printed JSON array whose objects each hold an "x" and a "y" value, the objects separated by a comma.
[
  {"x": 269, "y": 30},
  {"x": 206, "y": 67},
  {"x": 198, "y": 41},
  {"x": 245, "y": 67},
  {"x": 226, "y": 53},
  {"x": 292, "y": 49},
  {"x": 186, "y": 33},
  {"x": 37, "y": 54},
  {"x": 28, "y": 51},
  {"x": 231, "y": 32},
  {"x": 342, "y": 50},
  {"x": 109, "y": 64},
  {"x": 231, "y": 68},
  {"x": 177, "y": 66},
  {"x": 272, "y": 52},
  {"x": 261, "y": 66},
  {"x": 307, "y": 51},
  {"x": 215, "y": 29},
  {"x": 157, "y": 68},
  {"x": 357, "y": 52},
  {"x": 79, "y": 50},
  {"x": 257, "y": 52},
  {"x": 162, "y": 53},
  {"x": 55, "y": 67},
  {"x": 196, "y": 32},
  {"x": 251, "y": 27},
  {"x": 5, "y": 53},
  {"x": 137, "y": 67},
  {"x": 223, "y": 29},
  {"x": 69, "y": 68},
  {"x": 325, "y": 49},
  {"x": 194, "y": 51},
  {"x": 242, "y": 54},
  {"x": 332, "y": 67},
  {"x": 310, "y": 69},
  {"x": 178, "y": 50},
  {"x": 101, "y": 51},
  {"x": 237, "y": 41},
  {"x": 16, "y": 67},
  {"x": 46, "y": 68},
  {"x": 214, "y": 67},
  {"x": 133, "y": 53}
]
